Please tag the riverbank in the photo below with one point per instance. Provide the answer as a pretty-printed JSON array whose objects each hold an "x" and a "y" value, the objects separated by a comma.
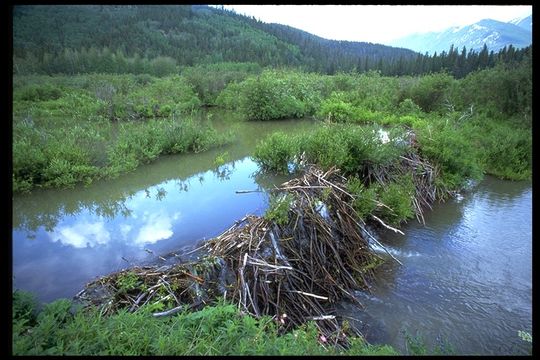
[{"x": 215, "y": 330}]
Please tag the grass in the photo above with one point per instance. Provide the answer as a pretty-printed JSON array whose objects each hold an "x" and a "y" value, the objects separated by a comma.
[{"x": 218, "y": 329}]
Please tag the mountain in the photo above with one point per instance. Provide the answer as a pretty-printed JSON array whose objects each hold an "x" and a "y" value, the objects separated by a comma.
[
  {"x": 494, "y": 34},
  {"x": 189, "y": 34},
  {"x": 523, "y": 22}
]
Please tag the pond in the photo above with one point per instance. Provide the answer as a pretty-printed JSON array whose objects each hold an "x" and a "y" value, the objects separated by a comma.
[{"x": 62, "y": 239}]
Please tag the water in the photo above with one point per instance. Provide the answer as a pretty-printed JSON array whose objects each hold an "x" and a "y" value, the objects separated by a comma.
[
  {"x": 466, "y": 276},
  {"x": 63, "y": 239}
]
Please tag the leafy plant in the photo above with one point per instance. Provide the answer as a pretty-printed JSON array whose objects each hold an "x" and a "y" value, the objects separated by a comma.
[
  {"x": 278, "y": 209},
  {"x": 127, "y": 281}
]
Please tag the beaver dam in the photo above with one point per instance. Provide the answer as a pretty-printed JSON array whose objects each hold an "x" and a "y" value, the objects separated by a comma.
[{"x": 294, "y": 268}]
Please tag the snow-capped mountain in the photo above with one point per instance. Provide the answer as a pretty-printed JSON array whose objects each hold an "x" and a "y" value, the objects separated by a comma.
[
  {"x": 523, "y": 22},
  {"x": 495, "y": 34}
]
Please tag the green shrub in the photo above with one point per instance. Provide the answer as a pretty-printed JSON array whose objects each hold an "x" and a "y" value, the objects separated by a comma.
[
  {"x": 274, "y": 95},
  {"x": 335, "y": 109},
  {"x": 37, "y": 92},
  {"x": 163, "y": 66},
  {"x": 500, "y": 92},
  {"x": 209, "y": 80},
  {"x": 408, "y": 107},
  {"x": 505, "y": 149},
  {"x": 430, "y": 91},
  {"x": 348, "y": 147},
  {"x": 449, "y": 149},
  {"x": 62, "y": 142},
  {"x": 162, "y": 98},
  {"x": 231, "y": 97},
  {"x": 398, "y": 197},
  {"x": 275, "y": 153},
  {"x": 326, "y": 146},
  {"x": 267, "y": 98},
  {"x": 364, "y": 202}
]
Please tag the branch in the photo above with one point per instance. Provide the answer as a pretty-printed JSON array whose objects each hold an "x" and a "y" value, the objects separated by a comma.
[{"x": 387, "y": 226}]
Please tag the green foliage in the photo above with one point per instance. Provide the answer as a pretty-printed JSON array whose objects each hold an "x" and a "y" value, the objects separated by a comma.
[
  {"x": 37, "y": 92},
  {"x": 60, "y": 139},
  {"x": 268, "y": 98},
  {"x": 278, "y": 209},
  {"x": 346, "y": 146},
  {"x": 68, "y": 140},
  {"x": 448, "y": 148},
  {"x": 221, "y": 159},
  {"x": 364, "y": 202},
  {"x": 275, "y": 153},
  {"x": 275, "y": 95},
  {"x": 500, "y": 92},
  {"x": 24, "y": 306},
  {"x": 127, "y": 281},
  {"x": 126, "y": 39},
  {"x": 335, "y": 109},
  {"x": 416, "y": 345},
  {"x": 139, "y": 143},
  {"x": 506, "y": 148},
  {"x": 408, "y": 107},
  {"x": 231, "y": 96},
  {"x": 209, "y": 81},
  {"x": 429, "y": 91},
  {"x": 398, "y": 197},
  {"x": 163, "y": 66},
  {"x": 53, "y": 156},
  {"x": 170, "y": 95},
  {"x": 215, "y": 330}
]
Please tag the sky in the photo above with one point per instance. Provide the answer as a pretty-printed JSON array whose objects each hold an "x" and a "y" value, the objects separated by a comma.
[{"x": 377, "y": 23}]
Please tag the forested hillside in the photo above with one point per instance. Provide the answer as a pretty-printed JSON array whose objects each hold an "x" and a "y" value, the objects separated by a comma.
[{"x": 47, "y": 36}]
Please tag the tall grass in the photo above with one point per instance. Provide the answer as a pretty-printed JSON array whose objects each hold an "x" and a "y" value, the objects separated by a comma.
[
  {"x": 57, "y": 329},
  {"x": 69, "y": 130}
]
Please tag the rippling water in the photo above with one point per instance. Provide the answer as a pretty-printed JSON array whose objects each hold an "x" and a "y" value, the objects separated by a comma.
[{"x": 466, "y": 276}]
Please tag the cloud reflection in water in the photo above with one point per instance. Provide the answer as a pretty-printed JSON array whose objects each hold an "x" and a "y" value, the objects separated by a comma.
[{"x": 82, "y": 234}]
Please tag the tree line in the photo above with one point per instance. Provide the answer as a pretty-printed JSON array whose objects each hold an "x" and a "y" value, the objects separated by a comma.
[{"x": 161, "y": 40}]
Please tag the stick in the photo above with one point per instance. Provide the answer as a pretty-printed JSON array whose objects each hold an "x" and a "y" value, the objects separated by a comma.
[
  {"x": 247, "y": 191},
  {"x": 387, "y": 226},
  {"x": 198, "y": 279},
  {"x": 168, "y": 312},
  {"x": 312, "y": 295},
  {"x": 322, "y": 317},
  {"x": 381, "y": 245}
]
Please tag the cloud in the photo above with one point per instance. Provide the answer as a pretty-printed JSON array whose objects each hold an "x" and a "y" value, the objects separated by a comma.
[
  {"x": 157, "y": 227},
  {"x": 124, "y": 230},
  {"x": 82, "y": 235}
]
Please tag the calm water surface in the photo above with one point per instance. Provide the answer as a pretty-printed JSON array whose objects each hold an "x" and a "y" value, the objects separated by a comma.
[{"x": 62, "y": 239}]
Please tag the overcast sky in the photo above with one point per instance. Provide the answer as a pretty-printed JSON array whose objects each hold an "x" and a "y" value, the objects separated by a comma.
[{"x": 377, "y": 23}]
